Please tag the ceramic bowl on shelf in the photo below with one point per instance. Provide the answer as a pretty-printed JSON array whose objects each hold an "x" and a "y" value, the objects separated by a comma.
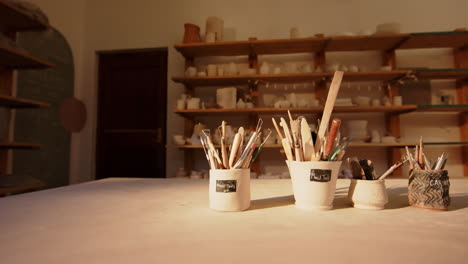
[{"x": 362, "y": 100}]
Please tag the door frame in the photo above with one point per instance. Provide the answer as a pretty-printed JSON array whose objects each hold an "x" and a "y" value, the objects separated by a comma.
[{"x": 163, "y": 107}]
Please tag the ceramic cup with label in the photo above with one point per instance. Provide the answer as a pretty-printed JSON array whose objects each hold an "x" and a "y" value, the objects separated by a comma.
[
  {"x": 229, "y": 190},
  {"x": 314, "y": 183},
  {"x": 368, "y": 194},
  {"x": 429, "y": 189}
]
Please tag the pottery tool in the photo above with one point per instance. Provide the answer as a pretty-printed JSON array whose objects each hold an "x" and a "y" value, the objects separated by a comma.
[
  {"x": 356, "y": 169},
  {"x": 208, "y": 155},
  {"x": 307, "y": 144},
  {"x": 427, "y": 163},
  {"x": 214, "y": 152},
  {"x": 330, "y": 143},
  {"x": 244, "y": 154},
  {"x": 328, "y": 109},
  {"x": 391, "y": 170},
  {"x": 223, "y": 145},
  {"x": 241, "y": 133},
  {"x": 235, "y": 146},
  {"x": 440, "y": 161},
  {"x": 339, "y": 151},
  {"x": 410, "y": 158},
  {"x": 421, "y": 153},
  {"x": 287, "y": 132},
  {"x": 284, "y": 141},
  {"x": 257, "y": 152},
  {"x": 368, "y": 170}
]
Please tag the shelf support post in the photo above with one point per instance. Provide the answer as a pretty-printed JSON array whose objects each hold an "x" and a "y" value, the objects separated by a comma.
[
  {"x": 392, "y": 119},
  {"x": 461, "y": 61}
]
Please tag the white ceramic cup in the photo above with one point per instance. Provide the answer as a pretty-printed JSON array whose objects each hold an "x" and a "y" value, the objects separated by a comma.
[
  {"x": 314, "y": 183},
  {"x": 191, "y": 71},
  {"x": 181, "y": 104},
  {"x": 211, "y": 69},
  {"x": 229, "y": 190},
  {"x": 397, "y": 101},
  {"x": 210, "y": 37},
  {"x": 376, "y": 102},
  {"x": 368, "y": 194},
  {"x": 193, "y": 103}
]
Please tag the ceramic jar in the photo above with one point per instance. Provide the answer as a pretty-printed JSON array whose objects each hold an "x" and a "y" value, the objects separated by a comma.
[
  {"x": 429, "y": 189},
  {"x": 368, "y": 194}
]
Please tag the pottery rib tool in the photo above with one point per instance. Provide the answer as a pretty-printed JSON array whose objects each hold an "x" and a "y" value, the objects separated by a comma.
[
  {"x": 329, "y": 145},
  {"x": 328, "y": 109},
  {"x": 284, "y": 141},
  {"x": 241, "y": 132},
  {"x": 235, "y": 146},
  {"x": 307, "y": 144},
  {"x": 223, "y": 145},
  {"x": 287, "y": 132}
]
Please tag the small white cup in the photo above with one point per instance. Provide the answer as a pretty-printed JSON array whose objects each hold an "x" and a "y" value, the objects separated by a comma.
[
  {"x": 193, "y": 103},
  {"x": 181, "y": 104},
  {"x": 397, "y": 101},
  {"x": 211, "y": 69},
  {"x": 210, "y": 37},
  {"x": 191, "y": 71}
]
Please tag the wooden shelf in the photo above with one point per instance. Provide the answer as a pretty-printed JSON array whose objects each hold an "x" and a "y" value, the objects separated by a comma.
[
  {"x": 441, "y": 74},
  {"x": 15, "y": 19},
  {"x": 15, "y": 102},
  {"x": 19, "y": 145},
  {"x": 17, "y": 59},
  {"x": 446, "y": 39},
  {"x": 274, "y": 111},
  {"x": 449, "y": 39},
  {"x": 365, "y": 43},
  {"x": 290, "y": 78},
  {"x": 443, "y": 108}
]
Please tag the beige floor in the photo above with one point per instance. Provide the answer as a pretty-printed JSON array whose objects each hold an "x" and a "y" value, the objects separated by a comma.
[{"x": 168, "y": 221}]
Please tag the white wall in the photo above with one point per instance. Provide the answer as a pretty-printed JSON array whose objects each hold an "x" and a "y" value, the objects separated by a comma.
[{"x": 93, "y": 25}]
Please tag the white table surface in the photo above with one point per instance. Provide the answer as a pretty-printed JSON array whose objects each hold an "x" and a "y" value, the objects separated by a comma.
[{"x": 168, "y": 221}]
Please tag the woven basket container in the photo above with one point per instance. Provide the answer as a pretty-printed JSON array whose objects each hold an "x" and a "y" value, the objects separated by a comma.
[{"x": 429, "y": 189}]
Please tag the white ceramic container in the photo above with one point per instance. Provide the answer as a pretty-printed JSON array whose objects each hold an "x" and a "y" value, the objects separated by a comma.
[
  {"x": 368, "y": 194},
  {"x": 314, "y": 183},
  {"x": 229, "y": 190}
]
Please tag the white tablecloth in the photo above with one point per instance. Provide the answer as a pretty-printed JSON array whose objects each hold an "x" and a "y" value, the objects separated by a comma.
[{"x": 168, "y": 221}]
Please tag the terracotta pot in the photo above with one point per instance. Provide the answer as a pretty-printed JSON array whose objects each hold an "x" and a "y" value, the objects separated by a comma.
[
  {"x": 192, "y": 33},
  {"x": 429, "y": 189}
]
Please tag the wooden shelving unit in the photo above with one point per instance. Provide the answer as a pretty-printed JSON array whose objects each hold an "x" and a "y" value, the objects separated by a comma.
[
  {"x": 386, "y": 44},
  {"x": 19, "y": 145},
  {"x": 18, "y": 59},
  {"x": 15, "y": 102},
  {"x": 309, "y": 110},
  {"x": 12, "y": 20}
]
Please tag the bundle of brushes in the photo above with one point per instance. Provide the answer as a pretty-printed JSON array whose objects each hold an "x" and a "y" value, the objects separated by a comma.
[
  {"x": 419, "y": 160},
  {"x": 364, "y": 169},
  {"x": 237, "y": 155},
  {"x": 302, "y": 144}
]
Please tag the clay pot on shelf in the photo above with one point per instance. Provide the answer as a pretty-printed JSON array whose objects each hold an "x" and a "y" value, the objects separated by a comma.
[{"x": 192, "y": 33}]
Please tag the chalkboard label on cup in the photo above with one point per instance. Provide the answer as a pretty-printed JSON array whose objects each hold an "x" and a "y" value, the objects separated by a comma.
[
  {"x": 226, "y": 186},
  {"x": 318, "y": 175}
]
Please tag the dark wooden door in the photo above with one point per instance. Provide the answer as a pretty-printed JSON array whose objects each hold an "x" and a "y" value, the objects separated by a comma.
[{"x": 131, "y": 129}]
